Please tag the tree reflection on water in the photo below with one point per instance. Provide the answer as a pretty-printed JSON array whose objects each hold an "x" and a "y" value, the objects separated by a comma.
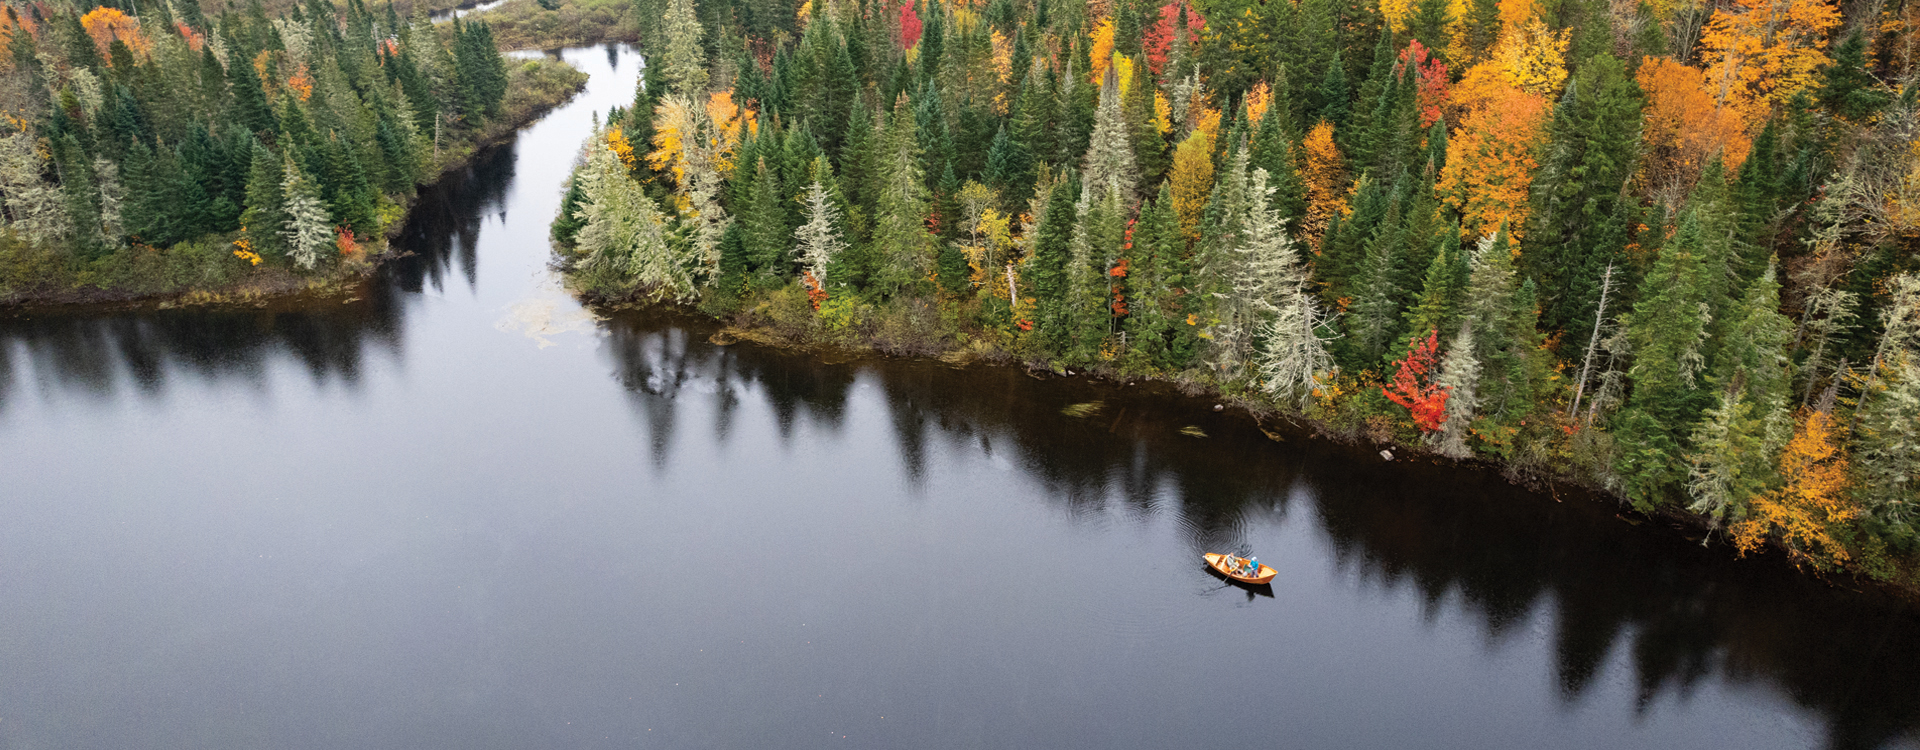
[{"x": 1465, "y": 539}]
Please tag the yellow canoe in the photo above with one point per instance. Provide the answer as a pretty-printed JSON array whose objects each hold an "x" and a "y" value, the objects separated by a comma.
[{"x": 1221, "y": 565}]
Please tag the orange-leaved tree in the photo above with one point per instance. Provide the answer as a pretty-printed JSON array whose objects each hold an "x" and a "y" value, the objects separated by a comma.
[
  {"x": 1687, "y": 126},
  {"x": 1491, "y": 161},
  {"x": 1413, "y": 383},
  {"x": 1760, "y": 53},
  {"x": 106, "y": 24},
  {"x": 1811, "y": 504}
]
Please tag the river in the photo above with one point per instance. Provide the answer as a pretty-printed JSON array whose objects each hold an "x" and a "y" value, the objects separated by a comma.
[{"x": 460, "y": 511}]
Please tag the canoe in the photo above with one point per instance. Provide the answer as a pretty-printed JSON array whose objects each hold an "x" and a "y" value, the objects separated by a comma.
[{"x": 1219, "y": 565}]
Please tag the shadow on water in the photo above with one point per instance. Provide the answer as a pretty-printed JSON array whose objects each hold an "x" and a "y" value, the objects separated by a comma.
[
  {"x": 100, "y": 354},
  {"x": 443, "y": 231},
  {"x": 1465, "y": 541}
]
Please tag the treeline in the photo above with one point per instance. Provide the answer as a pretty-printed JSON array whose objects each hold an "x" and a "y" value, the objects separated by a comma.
[
  {"x": 1668, "y": 248},
  {"x": 235, "y": 141}
]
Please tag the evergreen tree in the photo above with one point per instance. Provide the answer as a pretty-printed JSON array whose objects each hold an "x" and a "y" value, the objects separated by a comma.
[
  {"x": 902, "y": 247},
  {"x": 1047, "y": 268},
  {"x": 1459, "y": 377},
  {"x": 265, "y": 212},
  {"x": 1291, "y": 329},
  {"x": 1668, "y": 330},
  {"x": 307, "y": 229},
  {"x": 818, "y": 241},
  {"x": 1887, "y": 454},
  {"x": 1578, "y": 219},
  {"x": 1736, "y": 443},
  {"x": 1153, "y": 279},
  {"x": 1110, "y": 162},
  {"x": 764, "y": 222},
  {"x": 1846, "y": 88},
  {"x": 684, "y": 60}
]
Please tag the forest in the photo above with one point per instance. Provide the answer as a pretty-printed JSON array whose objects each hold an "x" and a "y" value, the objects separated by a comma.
[
  {"x": 1662, "y": 248},
  {"x": 151, "y": 148}
]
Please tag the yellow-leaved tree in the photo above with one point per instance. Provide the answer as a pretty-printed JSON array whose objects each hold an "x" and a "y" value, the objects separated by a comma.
[
  {"x": 1759, "y": 53},
  {"x": 1192, "y": 178},
  {"x": 1804, "y": 512},
  {"x": 1326, "y": 177}
]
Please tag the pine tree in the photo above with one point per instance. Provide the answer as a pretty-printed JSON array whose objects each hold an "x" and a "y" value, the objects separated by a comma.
[
  {"x": 1578, "y": 218},
  {"x": 902, "y": 246},
  {"x": 265, "y": 213},
  {"x": 819, "y": 240},
  {"x": 1887, "y": 430},
  {"x": 684, "y": 59},
  {"x": 307, "y": 229},
  {"x": 1668, "y": 331},
  {"x": 1110, "y": 156}
]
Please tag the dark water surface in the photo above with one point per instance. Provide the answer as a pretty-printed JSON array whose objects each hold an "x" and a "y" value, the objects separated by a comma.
[{"x": 463, "y": 513}]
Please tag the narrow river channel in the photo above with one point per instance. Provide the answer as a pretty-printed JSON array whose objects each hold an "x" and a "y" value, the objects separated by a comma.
[{"x": 462, "y": 512}]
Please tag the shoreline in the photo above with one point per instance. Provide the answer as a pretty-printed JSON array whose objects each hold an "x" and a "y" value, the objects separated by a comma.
[
  {"x": 265, "y": 287},
  {"x": 1277, "y": 424}
]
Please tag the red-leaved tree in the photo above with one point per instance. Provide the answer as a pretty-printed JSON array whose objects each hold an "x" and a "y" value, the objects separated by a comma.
[
  {"x": 1434, "y": 87},
  {"x": 909, "y": 25},
  {"x": 1413, "y": 385},
  {"x": 1158, "y": 36}
]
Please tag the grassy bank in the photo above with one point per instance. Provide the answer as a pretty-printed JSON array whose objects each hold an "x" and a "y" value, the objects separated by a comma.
[
  {"x": 523, "y": 24},
  {"x": 207, "y": 270}
]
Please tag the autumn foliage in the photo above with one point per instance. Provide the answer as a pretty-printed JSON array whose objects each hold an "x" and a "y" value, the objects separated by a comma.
[
  {"x": 105, "y": 24},
  {"x": 1413, "y": 385},
  {"x": 1803, "y": 513},
  {"x": 909, "y": 26},
  {"x": 1760, "y": 53},
  {"x": 1687, "y": 126},
  {"x": 1432, "y": 93},
  {"x": 1326, "y": 179},
  {"x": 1491, "y": 160},
  {"x": 1158, "y": 37}
]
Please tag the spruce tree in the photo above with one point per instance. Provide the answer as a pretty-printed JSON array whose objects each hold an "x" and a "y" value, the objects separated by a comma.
[
  {"x": 1152, "y": 280},
  {"x": 307, "y": 229},
  {"x": 902, "y": 247},
  {"x": 684, "y": 60},
  {"x": 1052, "y": 247},
  {"x": 1735, "y": 445},
  {"x": 1579, "y": 220},
  {"x": 1886, "y": 462},
  {"x": 1668, "y": 331},
  {"x": 1110, "y": 155}
]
